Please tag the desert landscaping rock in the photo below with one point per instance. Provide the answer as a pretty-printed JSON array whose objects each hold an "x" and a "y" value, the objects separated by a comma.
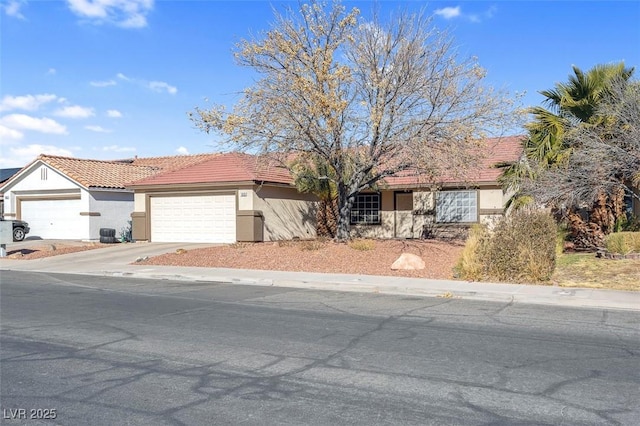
[{"x": 408, "y": 262}]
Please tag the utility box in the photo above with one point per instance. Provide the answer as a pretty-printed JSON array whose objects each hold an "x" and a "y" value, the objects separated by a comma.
[
  {"x": 249, "y": 225},
  {"x": 6, "y": 231}
]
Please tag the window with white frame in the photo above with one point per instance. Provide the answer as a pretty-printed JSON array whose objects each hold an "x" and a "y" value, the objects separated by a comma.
[
  {"x": 366, "y": 210},
  {"x": 457, "y": 206}
]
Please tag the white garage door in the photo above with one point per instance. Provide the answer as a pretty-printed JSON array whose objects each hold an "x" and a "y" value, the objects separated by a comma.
[
  {"x": 59, "y": 219},
  {"x": 194, "y": 219}
]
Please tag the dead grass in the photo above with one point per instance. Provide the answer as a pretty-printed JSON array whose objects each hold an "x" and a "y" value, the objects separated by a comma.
[{"x": 586, "y": 270}]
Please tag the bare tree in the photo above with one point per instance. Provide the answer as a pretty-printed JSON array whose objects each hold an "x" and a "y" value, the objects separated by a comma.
[{"x": 367, "y": 99}]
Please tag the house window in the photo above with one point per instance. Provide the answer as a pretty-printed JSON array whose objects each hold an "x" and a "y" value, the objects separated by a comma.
[
  {"x": 457, "y": 206},
  {"x": 366, "y": 210},
  {"x": 43, "y": 173}
]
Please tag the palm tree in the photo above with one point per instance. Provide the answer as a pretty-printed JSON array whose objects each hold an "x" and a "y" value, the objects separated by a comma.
[
  {"x": 315, "y": 177},
  {"x": 568, "y": 104}
]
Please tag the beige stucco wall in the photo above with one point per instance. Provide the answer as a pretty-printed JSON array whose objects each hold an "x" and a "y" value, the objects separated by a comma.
[
  {"x": 287, "y": 213},
  {"x": 390, "y": 226},
  {"x": 491, "y": 199},
  {"x": 139, "y": 203},
  {"x": 491, "y": 203}
]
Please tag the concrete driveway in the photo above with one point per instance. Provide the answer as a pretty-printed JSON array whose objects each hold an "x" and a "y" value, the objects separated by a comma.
[{"x": 89, "y": 261}]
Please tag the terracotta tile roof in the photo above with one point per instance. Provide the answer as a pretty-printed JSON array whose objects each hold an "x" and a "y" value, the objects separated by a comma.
[
  {"x": 114, "y": 174},
  {"x": 229, "y": 167},
  {"x": 497, "y": 150},
  {"x": 173, "y": 162}
]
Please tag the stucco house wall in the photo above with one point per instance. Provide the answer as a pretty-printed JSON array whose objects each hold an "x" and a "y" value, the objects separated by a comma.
[
  {"x": 109, "y": 209},
  {"x": 420, "y": 221},
  {"x": 287, "y": 213}
]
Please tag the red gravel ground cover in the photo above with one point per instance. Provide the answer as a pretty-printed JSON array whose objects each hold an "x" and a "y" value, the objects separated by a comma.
[{"x": 370, "y": 257}]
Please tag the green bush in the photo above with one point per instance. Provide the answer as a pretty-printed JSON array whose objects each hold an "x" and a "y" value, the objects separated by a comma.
[
  {"x": 623, "y": 242},
  {"x": 520, "y": 248}
]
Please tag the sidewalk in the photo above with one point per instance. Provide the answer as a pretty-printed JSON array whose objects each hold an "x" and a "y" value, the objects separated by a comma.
[{"x": 119, "y": 261}]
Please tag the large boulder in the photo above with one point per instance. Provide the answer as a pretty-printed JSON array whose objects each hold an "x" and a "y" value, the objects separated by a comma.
[{"x": 408, "y": 261}]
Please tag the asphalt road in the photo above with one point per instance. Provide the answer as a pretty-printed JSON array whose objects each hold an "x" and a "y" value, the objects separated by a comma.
[{"x": 105, "y": 351}]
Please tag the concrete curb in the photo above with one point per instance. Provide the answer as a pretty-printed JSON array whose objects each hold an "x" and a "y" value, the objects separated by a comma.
[{"x": 120, "y": 262}]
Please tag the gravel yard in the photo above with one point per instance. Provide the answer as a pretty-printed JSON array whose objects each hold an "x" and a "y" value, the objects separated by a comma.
[{"x": 370, "y": 257}]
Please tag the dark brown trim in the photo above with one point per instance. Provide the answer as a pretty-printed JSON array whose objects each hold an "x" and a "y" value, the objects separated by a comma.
[
  {"x": 490, "y": 211},
  {"x": 90, "y": 214}
]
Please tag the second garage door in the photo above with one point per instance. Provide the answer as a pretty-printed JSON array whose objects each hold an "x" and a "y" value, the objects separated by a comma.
[{"x": 193, "y": 219}]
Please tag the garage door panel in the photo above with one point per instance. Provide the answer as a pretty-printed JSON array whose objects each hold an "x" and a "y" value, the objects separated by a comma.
[
  {"x": 198, "y": 218},
  {"x": 53, "y": 219}
]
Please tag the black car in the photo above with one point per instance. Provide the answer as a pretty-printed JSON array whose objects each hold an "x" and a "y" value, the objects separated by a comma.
[{"x": 20, "y": 229}]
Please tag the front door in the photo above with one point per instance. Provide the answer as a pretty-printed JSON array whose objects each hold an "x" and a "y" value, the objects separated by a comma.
[{"x": 403, "y": 211}]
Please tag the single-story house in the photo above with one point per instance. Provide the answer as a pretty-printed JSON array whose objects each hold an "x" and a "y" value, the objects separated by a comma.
[
  {"x": 227, "y": 198},
  {"x": 71, "y": 198},
  {"x": 234, "y": 197},
  {"x": 407, "y": 207}
]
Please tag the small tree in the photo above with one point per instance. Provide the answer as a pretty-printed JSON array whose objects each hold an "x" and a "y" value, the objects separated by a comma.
[{"x": 367, "y": 99}]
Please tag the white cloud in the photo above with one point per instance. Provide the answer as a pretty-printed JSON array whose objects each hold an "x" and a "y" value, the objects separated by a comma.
[
  {"x": 26, "y": 122},
  {"x": 7, "y": 134},
  {"x": 182, "y": 151},
  {"x": 123, "y": 13},
  {"x": 118, "y": 148},
  {"x": 456, "y": 12},
  {"x": 159, "y": 86},
  {"x": 12, "y": 8},
  {"x": 448, "y": 12},
  {"x": 97, "y": 129},
  {"x": 105, "y": 83},
  {"x": 75, "y": 111},
  {"x": 156, "y": 86},
  {"x": 51, "y": 71},
  {"x": 20, "y": 156},
  {"x": 26, "y": 102},
  {"x": 114, "y": 113}
]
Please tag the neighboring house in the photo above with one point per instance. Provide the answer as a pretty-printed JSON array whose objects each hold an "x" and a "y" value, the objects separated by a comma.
[
  {"x": 230, "y": 197},
  {"x": 407, "y": 208},
  {"x": 5, "y": 175},
  {"x": 71, "y": 198}
]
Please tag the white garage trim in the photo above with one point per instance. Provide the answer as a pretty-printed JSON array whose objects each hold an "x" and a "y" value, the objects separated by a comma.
[
  {"x": 209, "y": 218},
  {"x": 52, "y": 217}
]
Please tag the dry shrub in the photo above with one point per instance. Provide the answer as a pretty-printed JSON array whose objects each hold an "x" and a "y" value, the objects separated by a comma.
[
  {"x": 311, "y": 245},
  {"x": 520, "y": 248},
  {"x": 623, "y": 242},
  {"x": 238, "y": 245},
  {"x": 361, "y": 245},
  {"x": 285, "y": 243},
  {"x": 470, "y": 265}
]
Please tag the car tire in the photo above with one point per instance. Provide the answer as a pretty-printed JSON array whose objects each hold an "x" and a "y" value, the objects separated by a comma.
[
  {"x": 107, "y": 232},
  {"x": 18, "y": 234},
  {"x": 108, "y": 240}
]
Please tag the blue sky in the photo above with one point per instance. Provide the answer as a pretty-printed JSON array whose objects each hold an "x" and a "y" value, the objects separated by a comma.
[{"x": 110, "y": 79}]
